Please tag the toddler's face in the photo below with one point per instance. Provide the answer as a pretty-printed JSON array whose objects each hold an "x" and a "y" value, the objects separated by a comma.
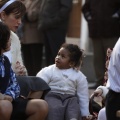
[{"x": 62, "y": 59}]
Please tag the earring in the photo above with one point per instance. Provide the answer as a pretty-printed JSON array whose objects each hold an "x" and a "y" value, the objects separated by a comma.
[{"x": 70, "y": 65}]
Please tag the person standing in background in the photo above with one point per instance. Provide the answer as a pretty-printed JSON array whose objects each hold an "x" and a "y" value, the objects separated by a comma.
[
  {"x": 32, "y": 40},
  {"x": 53, "y": 22},
  {"x": 103, "y": 17}
]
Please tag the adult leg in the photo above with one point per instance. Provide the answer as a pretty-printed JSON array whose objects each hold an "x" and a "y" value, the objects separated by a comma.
[
  {"x": 32, "y": 55},
  {"x": 102, "y": 114},
  {"x": 100, "y": 47},
  {"x": 36, "y": 56},
  {"x": 35, "y": 94},
  {"x": 37, "y": 109},
  {"x": 5, "y": 109},
  {"x": 99, "y": 60},
  {"x": 54, "y": 38}
]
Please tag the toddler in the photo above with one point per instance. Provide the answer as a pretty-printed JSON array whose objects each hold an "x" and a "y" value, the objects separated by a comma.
[{"x": 68, "y": 98}]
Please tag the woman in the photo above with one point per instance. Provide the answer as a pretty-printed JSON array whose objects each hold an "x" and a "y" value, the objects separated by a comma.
[{"x": 11, "y": 12}]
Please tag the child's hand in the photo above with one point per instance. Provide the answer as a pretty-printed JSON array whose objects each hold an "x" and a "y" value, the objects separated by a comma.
[
  {"x": 98, "y": 92},
  {"x": 7, "y": 97},
  {"x": 20, "y": 69}
]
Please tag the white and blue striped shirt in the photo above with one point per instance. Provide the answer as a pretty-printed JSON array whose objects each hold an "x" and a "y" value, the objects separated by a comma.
[{"x": 113, "y": 82}]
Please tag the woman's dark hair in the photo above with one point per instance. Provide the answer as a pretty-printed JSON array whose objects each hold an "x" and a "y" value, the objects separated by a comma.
[
  {"x": 75, "y": 53},
  {"x": 4, "y": 36},
  {"x": 17, "y": 7}
]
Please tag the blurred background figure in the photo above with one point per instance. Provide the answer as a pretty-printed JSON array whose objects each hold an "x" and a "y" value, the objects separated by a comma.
[
  {"x": 53, "y": 22},
  {"x": 103, "y": 17},
  {"x": 31, "y": 38}
]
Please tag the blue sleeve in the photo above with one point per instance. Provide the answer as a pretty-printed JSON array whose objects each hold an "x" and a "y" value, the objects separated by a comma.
[{"x": 13, "y": 88}]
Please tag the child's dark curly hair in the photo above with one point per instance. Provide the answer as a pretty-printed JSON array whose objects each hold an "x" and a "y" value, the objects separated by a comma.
[
  {"x": 76, "y": 54},
  {"x": 4, "y": 36}
]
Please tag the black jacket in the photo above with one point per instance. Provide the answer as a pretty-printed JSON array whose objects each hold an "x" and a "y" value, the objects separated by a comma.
[
  {"x": 103, "y": 17},
  {"x": 54, "y": 14}
]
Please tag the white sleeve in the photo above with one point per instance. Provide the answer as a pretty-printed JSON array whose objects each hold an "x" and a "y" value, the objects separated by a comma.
[
  {"x": 45, "y": 74},
  {"x": 83, "y": 95},
  {"x": 104, "y": 89}
]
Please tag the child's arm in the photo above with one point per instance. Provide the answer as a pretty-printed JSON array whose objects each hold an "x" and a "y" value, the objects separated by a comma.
[
  {"x": 83, "y": 96},
  {"x": 13, "y": 89}
]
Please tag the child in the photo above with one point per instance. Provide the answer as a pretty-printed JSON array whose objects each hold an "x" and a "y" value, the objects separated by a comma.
[
  {"x": 12, "y": 106},
  {"x": 68, "y": 98}
]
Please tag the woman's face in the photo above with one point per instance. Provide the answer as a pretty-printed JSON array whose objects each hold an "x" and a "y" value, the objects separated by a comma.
[{"x": 12, "y": 21}]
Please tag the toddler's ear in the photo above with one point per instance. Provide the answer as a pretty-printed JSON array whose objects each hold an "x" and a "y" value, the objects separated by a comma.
[{"x": 72, "y": 64}]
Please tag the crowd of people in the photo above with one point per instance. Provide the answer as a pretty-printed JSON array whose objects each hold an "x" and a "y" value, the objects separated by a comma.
[{"x": 59, "y": 91}]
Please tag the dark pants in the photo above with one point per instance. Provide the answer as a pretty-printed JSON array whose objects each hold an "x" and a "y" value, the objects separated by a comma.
[
  {"x": 100, "y": 47},
  {"x": 19, "y": 109},
  {"x": 32, "y": 55},
  {"x": 112, "y": 105},
  {"x": 54, "y": 38}
]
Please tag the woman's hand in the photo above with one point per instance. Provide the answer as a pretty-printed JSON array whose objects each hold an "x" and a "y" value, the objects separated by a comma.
[{"x": 20, "y": 70}]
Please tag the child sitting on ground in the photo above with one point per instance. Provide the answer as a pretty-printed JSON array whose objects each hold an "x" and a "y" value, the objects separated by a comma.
[
  {"x": 12, "y": 106},
  {"x": 68, "y": 98}
]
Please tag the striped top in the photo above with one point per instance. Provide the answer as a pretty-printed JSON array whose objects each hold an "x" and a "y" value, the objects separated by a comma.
[{"x": 113, "y": 82}]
